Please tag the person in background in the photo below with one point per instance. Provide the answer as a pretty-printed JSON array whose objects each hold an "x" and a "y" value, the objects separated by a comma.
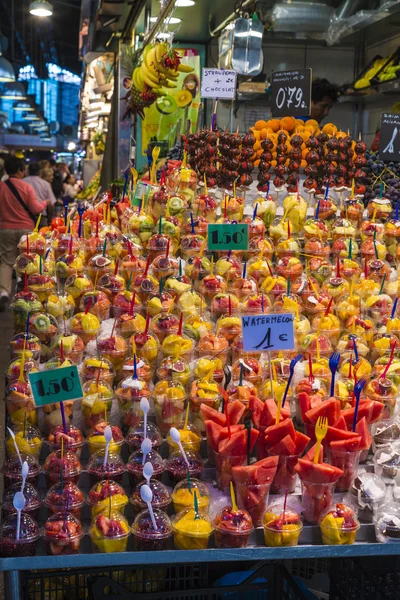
[
  {"x": 70, "y": 187},
  {"x": 57, "y": 183},
  {"x": 48, "y": 175},
  {"x": 323, "y": 96},
  {"x": 43, "y": 191},
  {"x": 19, "y": 209}
]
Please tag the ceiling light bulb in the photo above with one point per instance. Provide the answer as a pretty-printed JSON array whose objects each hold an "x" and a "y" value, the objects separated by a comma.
[
  {"x": 41, "y": 8},
  {"x": 183, "y": 3}
]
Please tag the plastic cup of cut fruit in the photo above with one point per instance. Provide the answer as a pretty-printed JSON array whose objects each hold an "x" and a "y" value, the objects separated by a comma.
[
  {"x": 232, "y": 528},
  {"x": 161, "y": 496},
  {"x": 348, "y": 462},
  {"x": 26, "y": 544},
  {"x": 285, "y": 476},
  {"x": 253, "y": 498},
  {"x": 62, "y": 533},
  {"x": 191, "y": 531},
  {"x": 178, "y": 468},
  {"x": 60, "y": 496},
  {"x": 32, "y": 500},
  {"x": 281, "y": 528},
  {"x": 107, "y": 495},
  {"x": 12, "y": 469},
  {"x": 146, "y": 537},
  {"x": 223, "y": 465},
  {"x": 316, "y": 498},
  {"x": 339, "y": 525},
  {"x": 109, "y": 532}
]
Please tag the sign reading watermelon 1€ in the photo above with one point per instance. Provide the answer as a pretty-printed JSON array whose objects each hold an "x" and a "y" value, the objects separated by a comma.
[
  {"x": 56, "y": 385},
  {"x": 268, "y": 332},
  {"x": 228, "y": 236}
]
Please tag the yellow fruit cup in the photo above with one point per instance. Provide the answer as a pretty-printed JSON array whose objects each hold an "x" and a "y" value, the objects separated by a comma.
[
  {"x": 109, "y": 532},
  {"x": 191, "y": 533}
]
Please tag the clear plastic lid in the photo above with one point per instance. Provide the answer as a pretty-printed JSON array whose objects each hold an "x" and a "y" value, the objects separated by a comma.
[
  {"x": 58, "y": 497},
  {"x": 12, "y": 466},
  {"x": 28, "y": 439},
  {"x": 277, "y": 518},
  {"x": 29, "y": 530},
  {"x": 161, "y": 495},
  {"x": 143, "y": 525},
  {"x": 62, "y": 528},
  {"x": 112, "y": 344},
  {"x": 114, "y": 466},
  {"x": 21, "y": 342},
  {"x": 100, "y": 389},
  {"x": 132, "y": 388},
  {"x": 84, "y": 323},
  {"x": 13, "y": 370},
  {"x": 96, "y": 435},
  {"x": 135, "y": 435},
  {"x": 102, "y": 491},
  {"x": 171, "y": 390},
  {"x": 67, "y": 463},
  {"x": 339, "y": 516},
  {"x": 387, "y": 522},
  {"x": 387, "y": 460},
  {"x": 176, "y": 464},
  {"x": 190, "y": 437},
  {"x": 43, "y": 323},
  {"x": 186, "y": 523},
  {"x": 368, "y": 488},
  {"x": 233, "y": 521},
  {"x": 109, "y": 525},
  {"x": 135, "y": 466},
  {"x": 71, "y": 439},
  {"x": 384, "y": 431},
  {"x": 182, "y": 495},
  {"x": 31, "y": 494}
]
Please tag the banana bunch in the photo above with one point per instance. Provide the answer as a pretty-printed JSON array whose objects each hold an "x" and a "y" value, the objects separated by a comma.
[{"x": 159, "y": 69}]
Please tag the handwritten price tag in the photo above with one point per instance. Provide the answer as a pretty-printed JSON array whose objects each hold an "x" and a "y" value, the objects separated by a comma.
[
  {"x": 57, "y": 385},
  {"x": 262, "y": 333},
  {"x": 291, "y": 93},
  {"x": 218, "y": 83},
  {"x": 228, "y": 236}
]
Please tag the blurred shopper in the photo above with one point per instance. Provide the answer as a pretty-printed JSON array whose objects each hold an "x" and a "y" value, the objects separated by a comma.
[
  {"x": 70, "y": 187},
  {"x": 43, "y": 191},
  {"x": 19, "y": 209},
  {"x": 57, "y": 184}
]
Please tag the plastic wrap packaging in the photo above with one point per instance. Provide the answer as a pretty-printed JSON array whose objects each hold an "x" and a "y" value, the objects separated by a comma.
[{"x": 301, "y": 16}]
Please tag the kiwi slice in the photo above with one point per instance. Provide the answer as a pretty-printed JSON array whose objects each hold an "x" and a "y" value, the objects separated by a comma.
[
  {"x": 166, "y": 105},
  {"x": 41, "y": 323}
]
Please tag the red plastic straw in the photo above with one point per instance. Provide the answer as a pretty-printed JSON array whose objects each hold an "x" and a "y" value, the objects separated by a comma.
[
  {"x": 61, "y": 350},
  {"x": 230, "y": 306},
  {"x": 116, "y": 268},
  {"x": 311, "y": 376},
  {"x": 288, "y": 230},
  {"x": 132, "y": 306},
  {"x": 365, "y": 268},
  {"x": 128, "y": 243},
  {"x": 269, "y": 269},
  {"x": 70, "y": 246},
  {"x": 147, "y": 266},
  {"x": 113, "y": 328},
  {"x": 146, "y": 329},
  {"x": 89, "y": 305},
  {"x": 228, "y": 424},
  {"x": 328, "y": 308},
  {"x": 27, "y": 243},
  {"x": 167, "y": 251},
  {"x": 180, "y": 324},
  {"x": 338, "y": 267},
  {"x": 390, "y": 360}
]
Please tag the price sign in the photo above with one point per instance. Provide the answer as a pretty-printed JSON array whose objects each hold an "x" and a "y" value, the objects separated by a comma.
[
  {"x": 57, "y": 385},
  {"x": 228, "y": 236},
  {"x": 263, "y": 333},
  {"x": 389, "y": 144},
  {"x": 291, "y": 93},
  {"x": 218, "y": 83}
]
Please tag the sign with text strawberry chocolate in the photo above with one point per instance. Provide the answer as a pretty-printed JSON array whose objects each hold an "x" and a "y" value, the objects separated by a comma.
[
  {"x": 291, "y": 93},
  {"x": 389, "y": 143},
  {"x": 57, "y": 385},
  {"x": 218, "y": 83},
  {"x": 262, "y": 333},
  {"x": 228, "y": 236}
]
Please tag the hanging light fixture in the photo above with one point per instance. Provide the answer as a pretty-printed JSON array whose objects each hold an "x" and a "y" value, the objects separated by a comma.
[
  {"x": 13, "y": 91},
  {"x": 41, "y": 8}
]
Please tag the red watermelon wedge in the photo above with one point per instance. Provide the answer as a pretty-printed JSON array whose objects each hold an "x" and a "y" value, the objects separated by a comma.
[
  {"x": 286, "y": 447},
  {"x": 376, "y": 411},
  {"x": 333, "y": 434},
  {"x": 340, "y": 423},
  {"x": 329, "y": 409},
  {"x": 256, "y": 408},
  {"x": 311, "y": 453},
  {"x": 235, "y": 411},
  {"x": 275, "y": 433},
  {"x": 363, "y": 431},
  {"x": 213, "y": 432},
  {"x": 236, "y": 445},
  {"x": 268, "y": 415},
  {"x": 304, "y": 403},
  {"x": 258, "y": 473},
  {"x": 317, "y": 473},
  {"x": 301, "y": 442},
  {"x": 212, "y": 414},
  {"x": 364, "y": 410},
  {"x": 351, "y": 445}
]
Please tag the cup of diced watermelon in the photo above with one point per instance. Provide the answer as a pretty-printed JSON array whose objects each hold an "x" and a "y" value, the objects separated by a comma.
[
  {"x": 223, "y": 466},
  {"x": 285, "y": 477},
  {"x": 316, "y": 498},
  {"x": 348, "y": 462},
  {"x": 253, "y": 498}
]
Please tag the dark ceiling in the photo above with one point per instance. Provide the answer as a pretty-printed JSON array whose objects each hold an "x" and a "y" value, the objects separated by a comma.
[{"x": 40, "y": 40}]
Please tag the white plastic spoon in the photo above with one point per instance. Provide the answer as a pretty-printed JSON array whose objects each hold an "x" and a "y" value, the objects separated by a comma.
[
  {"x": 10, "y": 431},
  {"x": 176, "y": 437},
  {"x": 148, "y": 472},
  {"x": 147, "y": 496},
  {"x": 19, "y": 503},
  {"x": 145, "y": 406},
  {"x": 108, "y": 437},
  {"x": 145, "y": 448},
  {"x": 25, "y": 472}
]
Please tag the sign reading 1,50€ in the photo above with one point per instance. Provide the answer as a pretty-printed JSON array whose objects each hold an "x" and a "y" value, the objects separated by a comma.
[
  {"x": 268, "y": 332},
  {"x": 228, "y": 236},
  {"x": 57, "y": 385}
]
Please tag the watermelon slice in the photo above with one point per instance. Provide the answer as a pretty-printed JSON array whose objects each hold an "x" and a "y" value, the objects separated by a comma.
[
  {"x": 301, "y": 442},
  {"x": 351, "y": 445},
  {"x": 275, "y": 433},
  {"x": 364, "y": 410},
  {"x": 212, "y": 414},
  {"x": 363, "y": 431},
  {"x": 258, "y": 473},
  {"x": 268, "y": 415},
  {"x": 329, "y": 409},
  {"x": 376, "y": 411},
  {"x": 256, "y": 408},
  {"x": 213, "y": 432},
  {"x": 333, "y": 434},
  {"x": 311, "y": 453},
  {"x": 340, "y": 423},
  {"x": 317, "y": 473},
  {"x": 286, "y": 447},
  {"x": 304, "y": 403},
  {"x": 235, "y": 411},
  {"x": 236, "y": 445}
]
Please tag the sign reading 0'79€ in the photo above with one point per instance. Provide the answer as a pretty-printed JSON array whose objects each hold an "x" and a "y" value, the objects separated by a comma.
[
  {"x": 57, "y": 385},
  {"x": 228, "y": 236},
  {"x": 291, "y": 93},
  {"x": 268, "y": 332}
]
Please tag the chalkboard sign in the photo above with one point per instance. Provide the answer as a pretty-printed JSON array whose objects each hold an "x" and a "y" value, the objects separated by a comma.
[
  {"x": 291, "y": 93},
  {"x": 389, "y": 145}
]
